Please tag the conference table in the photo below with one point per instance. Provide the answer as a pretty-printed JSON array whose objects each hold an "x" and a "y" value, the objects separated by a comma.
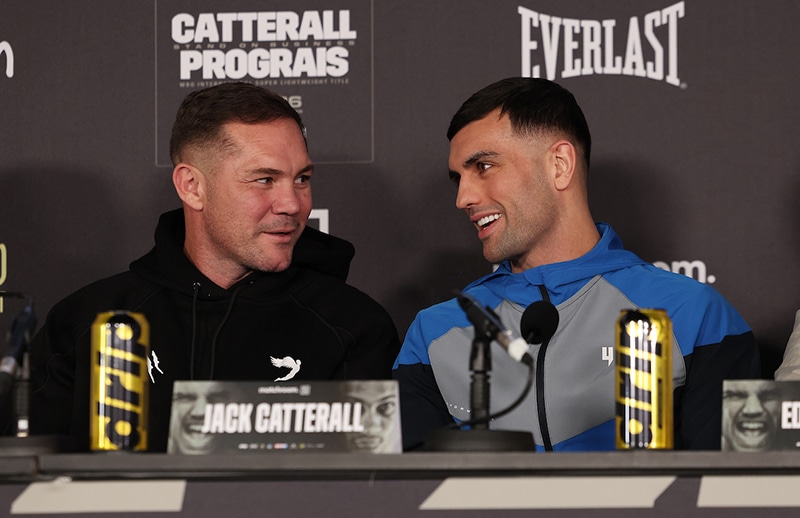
[{"x": 307, "y": 484}]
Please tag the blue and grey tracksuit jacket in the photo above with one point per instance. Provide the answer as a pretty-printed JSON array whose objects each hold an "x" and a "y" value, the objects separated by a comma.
[{"x": 571, "y": 406}]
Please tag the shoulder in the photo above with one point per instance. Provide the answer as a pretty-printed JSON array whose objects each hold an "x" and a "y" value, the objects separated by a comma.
[
  {"x": 429, "y": 325},
  {"x": 333, "y": 297},
  {"x": 119, "y": 291},
  {"x": 647, "y": 285},
  {"x": 700, "y": 314}
]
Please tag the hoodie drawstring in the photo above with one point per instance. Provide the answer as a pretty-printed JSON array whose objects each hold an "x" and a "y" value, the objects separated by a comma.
[
  {"x": 195, "y": 295},
  {"x": 546, "y": 440},
  {"x": 219, "y": 329}
]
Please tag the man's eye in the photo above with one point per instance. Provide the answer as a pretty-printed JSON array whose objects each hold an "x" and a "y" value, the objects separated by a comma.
[
  {"x": 483, "y": 166},
  {"x": 386, "y": 409},
  {"x": 185, "y": 398},
  {"x": 218, "y": 398},
  {"x": 770, "y": 395},
  {"x": 455, "y": 178},
  {"x": 266, "y": 180},
  {"x": 733, "y": 395},
  {"x": 303, "y": 178}
]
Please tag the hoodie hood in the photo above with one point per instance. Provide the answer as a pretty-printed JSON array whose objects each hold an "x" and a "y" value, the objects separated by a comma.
[
  {"x": 167, "y": 265},
  {"x": 324, "y": 253},
  {"x": 561, "y": 279}
]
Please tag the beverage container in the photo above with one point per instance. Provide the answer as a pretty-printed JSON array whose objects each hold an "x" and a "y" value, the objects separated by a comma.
[
  {"x": 119, "y": 385},
  {"x": 644, "y": 415}
]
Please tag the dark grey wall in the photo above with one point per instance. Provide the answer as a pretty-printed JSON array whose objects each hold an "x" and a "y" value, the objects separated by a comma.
[{"x": 698, "y": 165}]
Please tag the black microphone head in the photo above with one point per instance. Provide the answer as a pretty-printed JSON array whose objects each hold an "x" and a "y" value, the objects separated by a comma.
[{"x": 539, "y": 322}]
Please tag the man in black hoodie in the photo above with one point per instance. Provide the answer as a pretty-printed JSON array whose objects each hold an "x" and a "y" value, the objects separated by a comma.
[{"x": 237, "y": 287}]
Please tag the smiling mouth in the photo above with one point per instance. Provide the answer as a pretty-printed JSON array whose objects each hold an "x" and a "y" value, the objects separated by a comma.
[
  {"x": 487, "y": 220},
  {"x": 367, "y": 442},
  {"x": 282, "y": 234},
  {"x": 752, "y": 427},
  {"x": 194, "y": 428},
  {"x": 287, "y": 230}
]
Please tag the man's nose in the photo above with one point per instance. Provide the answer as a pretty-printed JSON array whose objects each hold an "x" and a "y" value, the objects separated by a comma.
[
  {"x": 753, "y": 406},
  {"x": 199, "y": 406},
  {"x": 468, "y": 194},
  {"x": 287, "y": 200}
]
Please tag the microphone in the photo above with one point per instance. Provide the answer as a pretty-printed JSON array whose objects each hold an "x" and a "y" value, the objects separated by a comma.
[
  {"x": 539, "y": 322},
  {"x": 487, "y": 322},
  {"x": 19, "y": 336}
]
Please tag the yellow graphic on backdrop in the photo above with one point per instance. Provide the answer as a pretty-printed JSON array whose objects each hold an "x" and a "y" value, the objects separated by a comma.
[{"x": 3, "y": 270}]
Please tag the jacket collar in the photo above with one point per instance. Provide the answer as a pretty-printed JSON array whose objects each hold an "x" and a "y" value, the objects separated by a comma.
[{"x": 606, "y": 256}]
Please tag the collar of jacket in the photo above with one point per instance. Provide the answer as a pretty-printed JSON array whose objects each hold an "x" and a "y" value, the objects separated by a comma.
[{"x": 167, "y": 265}]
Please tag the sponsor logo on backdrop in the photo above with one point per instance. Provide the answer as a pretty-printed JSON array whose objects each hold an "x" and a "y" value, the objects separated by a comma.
[
  {"x": 695, "y": 269},
  {"x": 8, "y": 52},
  {"x": 646, "y": 46},
  {"x": 316, "y": 54},
  {"x": 321, "y": 216},
  {"x": 267, "y": 44}
]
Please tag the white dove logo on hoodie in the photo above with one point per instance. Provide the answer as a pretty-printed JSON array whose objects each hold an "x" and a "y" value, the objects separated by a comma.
[{"x": 289, "y": 363}]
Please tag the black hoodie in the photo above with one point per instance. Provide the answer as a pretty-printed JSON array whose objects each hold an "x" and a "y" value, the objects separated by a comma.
[{"x": 201, "y": 331}]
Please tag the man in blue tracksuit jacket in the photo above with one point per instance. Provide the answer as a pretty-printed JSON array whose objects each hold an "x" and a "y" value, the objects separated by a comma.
[{"x": 520, "y": 155}]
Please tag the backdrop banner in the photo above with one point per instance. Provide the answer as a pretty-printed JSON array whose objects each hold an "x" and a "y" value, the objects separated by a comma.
[{"x": 692, "y": 106}]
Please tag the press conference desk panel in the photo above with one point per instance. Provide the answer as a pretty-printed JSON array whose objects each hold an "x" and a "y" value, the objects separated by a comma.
[{"x": 289, "y": 484}]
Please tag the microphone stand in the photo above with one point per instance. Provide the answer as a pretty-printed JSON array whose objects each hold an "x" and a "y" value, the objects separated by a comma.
[
  {"x": 14, "y": 369},
  {"x": 479, "y": 437},
  {"x": 20, "y": 396},
  {"x": 480, "y": 364},
  {"x": 14, "y": 390}
]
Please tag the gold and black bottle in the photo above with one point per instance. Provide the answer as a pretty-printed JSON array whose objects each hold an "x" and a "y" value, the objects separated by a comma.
[
  {"x": 119, "y": 384},
  {"x": 644, "y": 416}
]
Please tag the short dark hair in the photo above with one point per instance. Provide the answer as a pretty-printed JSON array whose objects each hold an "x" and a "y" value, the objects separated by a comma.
[
  {"x": 532, "y": 105},
  {"x": 203, "y": 113}
]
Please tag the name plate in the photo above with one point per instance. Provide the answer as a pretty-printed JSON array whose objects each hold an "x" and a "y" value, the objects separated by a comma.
[
  {"x": 249, "y": 417},
  {"x": 760, "y": 415}
]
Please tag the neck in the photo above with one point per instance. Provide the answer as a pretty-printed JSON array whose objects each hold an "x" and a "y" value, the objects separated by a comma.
[
  {"x": 566, "y": 242},
  {"x": 222, "y": 273}
]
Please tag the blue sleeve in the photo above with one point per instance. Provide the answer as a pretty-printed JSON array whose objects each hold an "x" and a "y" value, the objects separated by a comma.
[
  {"x": 422, "y": 408},
  {"x": 415, "y": 348}
]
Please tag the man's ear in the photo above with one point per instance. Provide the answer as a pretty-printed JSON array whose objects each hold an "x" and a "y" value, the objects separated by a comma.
[
  {"x": 564, "y": 160},
  {"x": 190, "y": 184}
]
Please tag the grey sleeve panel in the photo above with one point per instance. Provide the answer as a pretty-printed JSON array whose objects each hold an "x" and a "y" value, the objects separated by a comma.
[{"x": 579, "y": 382}]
